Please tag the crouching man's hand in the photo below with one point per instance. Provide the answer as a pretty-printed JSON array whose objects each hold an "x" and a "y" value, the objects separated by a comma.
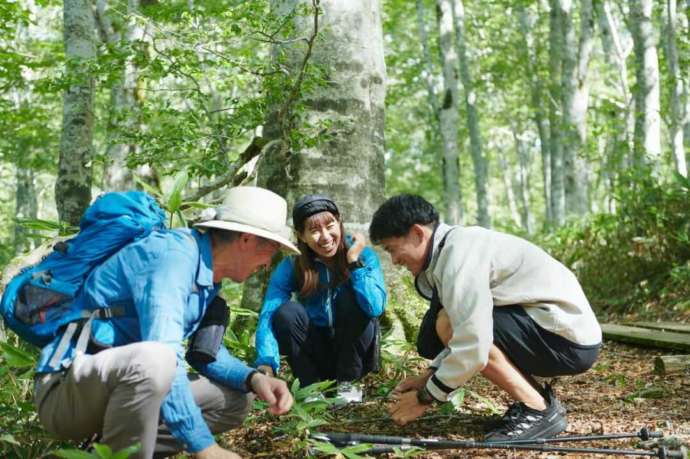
[
  {"x": 413, "y": 383},
  {"x": 215, "y": 452},
  {"x": 273, "y": 391},
  {"x": 406, "y": 408}
]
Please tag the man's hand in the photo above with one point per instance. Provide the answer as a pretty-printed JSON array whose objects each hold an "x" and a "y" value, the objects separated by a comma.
[
  {"x": 273, "y": 391},
  {"x": 413, "y": 383},
  {"x": 358, "y": 243},
  {"x": 216, "y": 452},
  {"x": 268, "y": 370},
  {"x": 406, "y": 408}
]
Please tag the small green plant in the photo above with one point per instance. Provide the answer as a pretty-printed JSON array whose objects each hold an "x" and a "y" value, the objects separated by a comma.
[
  {"x": 21, "y": 436},
  {"x": 309, "y": 409},
  {"x": 349, "y": 452},
  {"x": 173, "y": 200},
  {"x": 99, "y": 452}
]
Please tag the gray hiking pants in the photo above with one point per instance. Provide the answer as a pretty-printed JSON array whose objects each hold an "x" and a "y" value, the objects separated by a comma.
[{"x": 118, "y": 392}]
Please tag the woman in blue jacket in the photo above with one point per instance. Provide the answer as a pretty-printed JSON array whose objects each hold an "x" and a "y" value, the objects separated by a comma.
[{"x": 321, "y": 307}]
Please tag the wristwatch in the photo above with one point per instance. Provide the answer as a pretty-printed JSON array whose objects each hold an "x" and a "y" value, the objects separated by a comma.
[
  {"x": 424, "y": 397},
  {"x": 248, "y": 380},
  {"x": 355, "y": 265}
]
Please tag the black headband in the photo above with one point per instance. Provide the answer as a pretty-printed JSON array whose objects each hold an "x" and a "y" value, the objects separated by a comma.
[{"x": 312, "y": 204}]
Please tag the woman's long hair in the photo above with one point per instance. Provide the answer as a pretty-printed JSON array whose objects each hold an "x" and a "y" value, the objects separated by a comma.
[{"x": 305, "y": 265}]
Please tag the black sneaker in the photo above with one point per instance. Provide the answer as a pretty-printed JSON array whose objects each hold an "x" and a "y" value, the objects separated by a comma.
[
  {"x": 524, "y": 423},
  {"x": 495, "y": 422}
]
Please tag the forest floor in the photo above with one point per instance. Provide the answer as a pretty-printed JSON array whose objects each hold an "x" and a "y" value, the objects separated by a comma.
[{"x": 620, "y": 394}]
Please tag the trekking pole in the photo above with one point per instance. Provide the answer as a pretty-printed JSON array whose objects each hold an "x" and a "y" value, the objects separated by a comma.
[
  {"x": 643, "y": 434},
  {"x": 346, "y": 439}
]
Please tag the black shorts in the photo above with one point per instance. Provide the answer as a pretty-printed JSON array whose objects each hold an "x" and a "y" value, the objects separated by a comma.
[{"x": 532, "y": 349}]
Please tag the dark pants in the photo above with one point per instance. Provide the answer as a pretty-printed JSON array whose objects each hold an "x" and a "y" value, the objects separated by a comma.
[
  {"x": 346, "y": 353},
  {"x": 532, "y": 349}
]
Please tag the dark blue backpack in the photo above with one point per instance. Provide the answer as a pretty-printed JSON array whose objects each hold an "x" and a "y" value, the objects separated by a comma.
[{"x": 38, "y": 302}]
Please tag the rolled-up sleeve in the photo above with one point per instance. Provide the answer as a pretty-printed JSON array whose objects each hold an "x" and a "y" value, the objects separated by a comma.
[
  {"x": 465, "y": 291},
  {"x": 279, "y": 290},
  {"x": 369, "y": 285},
  {"x": 160, "y": 297}
]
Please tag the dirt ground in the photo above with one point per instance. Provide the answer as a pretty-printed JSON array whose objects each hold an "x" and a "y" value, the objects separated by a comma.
[{"x": 620, "y": 394}]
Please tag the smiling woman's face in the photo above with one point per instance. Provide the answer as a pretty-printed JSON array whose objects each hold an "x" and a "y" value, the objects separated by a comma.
[{"x": 322, "y": 234}]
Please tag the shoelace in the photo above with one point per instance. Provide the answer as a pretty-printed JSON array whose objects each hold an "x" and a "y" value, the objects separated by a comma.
[
  {"x": 514, "y": 410},
  {"x": 519, "y": 422}
]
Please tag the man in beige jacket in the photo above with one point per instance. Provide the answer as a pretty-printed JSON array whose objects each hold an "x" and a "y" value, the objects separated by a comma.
[{"x": 500, "y": 306}]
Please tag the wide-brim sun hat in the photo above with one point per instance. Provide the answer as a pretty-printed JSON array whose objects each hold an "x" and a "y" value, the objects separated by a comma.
[{"x": 253, "y": 210}]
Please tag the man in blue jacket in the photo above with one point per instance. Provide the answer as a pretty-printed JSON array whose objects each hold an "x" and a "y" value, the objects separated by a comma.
[{"x": 132, "y": 386}]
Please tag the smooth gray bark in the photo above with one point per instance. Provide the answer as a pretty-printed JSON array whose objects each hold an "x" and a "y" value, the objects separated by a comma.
[
  {"x": 26, "y": 207},
  {"x": 677, "y": 90},
  {"x": 481, "y": 166},
  {"x": 449, "y": 115},
  {"x": 555, "y": 111},
  {"x": 507, "y": 177},
  {"x": 73, "y": 184},
  {"x": 523, "y": 182},
  {"x": 117, "y": 176},
  {"x": 647, "y": 120},
  {"x": 432, "y": 97},
  {"x": 428, "y": 67},
  {"x": 575, "y": 99},
  {"x": 527, "y": 22},
  {"x": 347, "y": 162},
  {"x": 616, "y": 51}
]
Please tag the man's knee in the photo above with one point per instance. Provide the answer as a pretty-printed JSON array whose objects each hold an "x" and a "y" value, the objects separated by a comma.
[
  {"x": 155, "y": 365},
  {"x": 236, "y": 408}
]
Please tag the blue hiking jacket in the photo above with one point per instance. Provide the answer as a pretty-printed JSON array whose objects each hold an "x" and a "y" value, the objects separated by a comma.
[
  {"x": 366, "y": 282},
  {"x": 165, "y": 283}
]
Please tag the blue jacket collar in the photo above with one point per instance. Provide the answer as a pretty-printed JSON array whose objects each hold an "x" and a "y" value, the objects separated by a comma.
[{"x": 204, "y": 276}]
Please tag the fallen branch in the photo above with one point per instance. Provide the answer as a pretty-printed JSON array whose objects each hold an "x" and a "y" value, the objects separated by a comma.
[{"x": 666, "y": 364}]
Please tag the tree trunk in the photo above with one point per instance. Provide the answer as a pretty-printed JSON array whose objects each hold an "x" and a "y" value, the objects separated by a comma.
[
  {"x": 555, "y": 145},
  {"x": 448, "y": 114},
  {"x": 616, "y": 51},
  {"x": 428, "y": 77},
  {"x": 647, "y": 121},
  {"x": 506, "y": 175},
  {"x": 481, "y": 170},
  {"x": 73, "y": 185},
  {"x": 117, "y": 176},
  {"x": 347, "y": 162},
  {"x": 575, "y": 96},
  {"x": 523, "y": 182},
  {"x": 435, "y": 134},
  {"x": 527, "y": 22},
  {"x": 678, "y": 95},
  {"x": 26, "y": 207}
]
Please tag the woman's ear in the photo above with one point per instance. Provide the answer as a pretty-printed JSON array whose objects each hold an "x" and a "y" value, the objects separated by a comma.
[{"x": 299, "y": 237}]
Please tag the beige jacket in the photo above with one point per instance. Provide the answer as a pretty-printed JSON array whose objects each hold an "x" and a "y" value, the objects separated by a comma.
[{"x": 479, "y": 269}]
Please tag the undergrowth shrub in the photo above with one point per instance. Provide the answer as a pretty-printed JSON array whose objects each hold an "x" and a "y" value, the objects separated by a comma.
[{"x": 637, "y": 260}]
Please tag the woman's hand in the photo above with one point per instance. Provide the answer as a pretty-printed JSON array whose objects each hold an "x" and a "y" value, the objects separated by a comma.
[{"x": 358, "y": 244}]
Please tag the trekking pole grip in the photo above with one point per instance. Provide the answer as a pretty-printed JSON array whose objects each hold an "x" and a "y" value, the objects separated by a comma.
[{"x": 645, "y": 434}]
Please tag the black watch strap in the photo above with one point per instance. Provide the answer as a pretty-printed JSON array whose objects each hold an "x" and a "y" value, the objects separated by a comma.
[
  {"x": 424, "y": 397},
  {"x": 248, "y": 380},
  {"x": 355, "y": 265}
]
